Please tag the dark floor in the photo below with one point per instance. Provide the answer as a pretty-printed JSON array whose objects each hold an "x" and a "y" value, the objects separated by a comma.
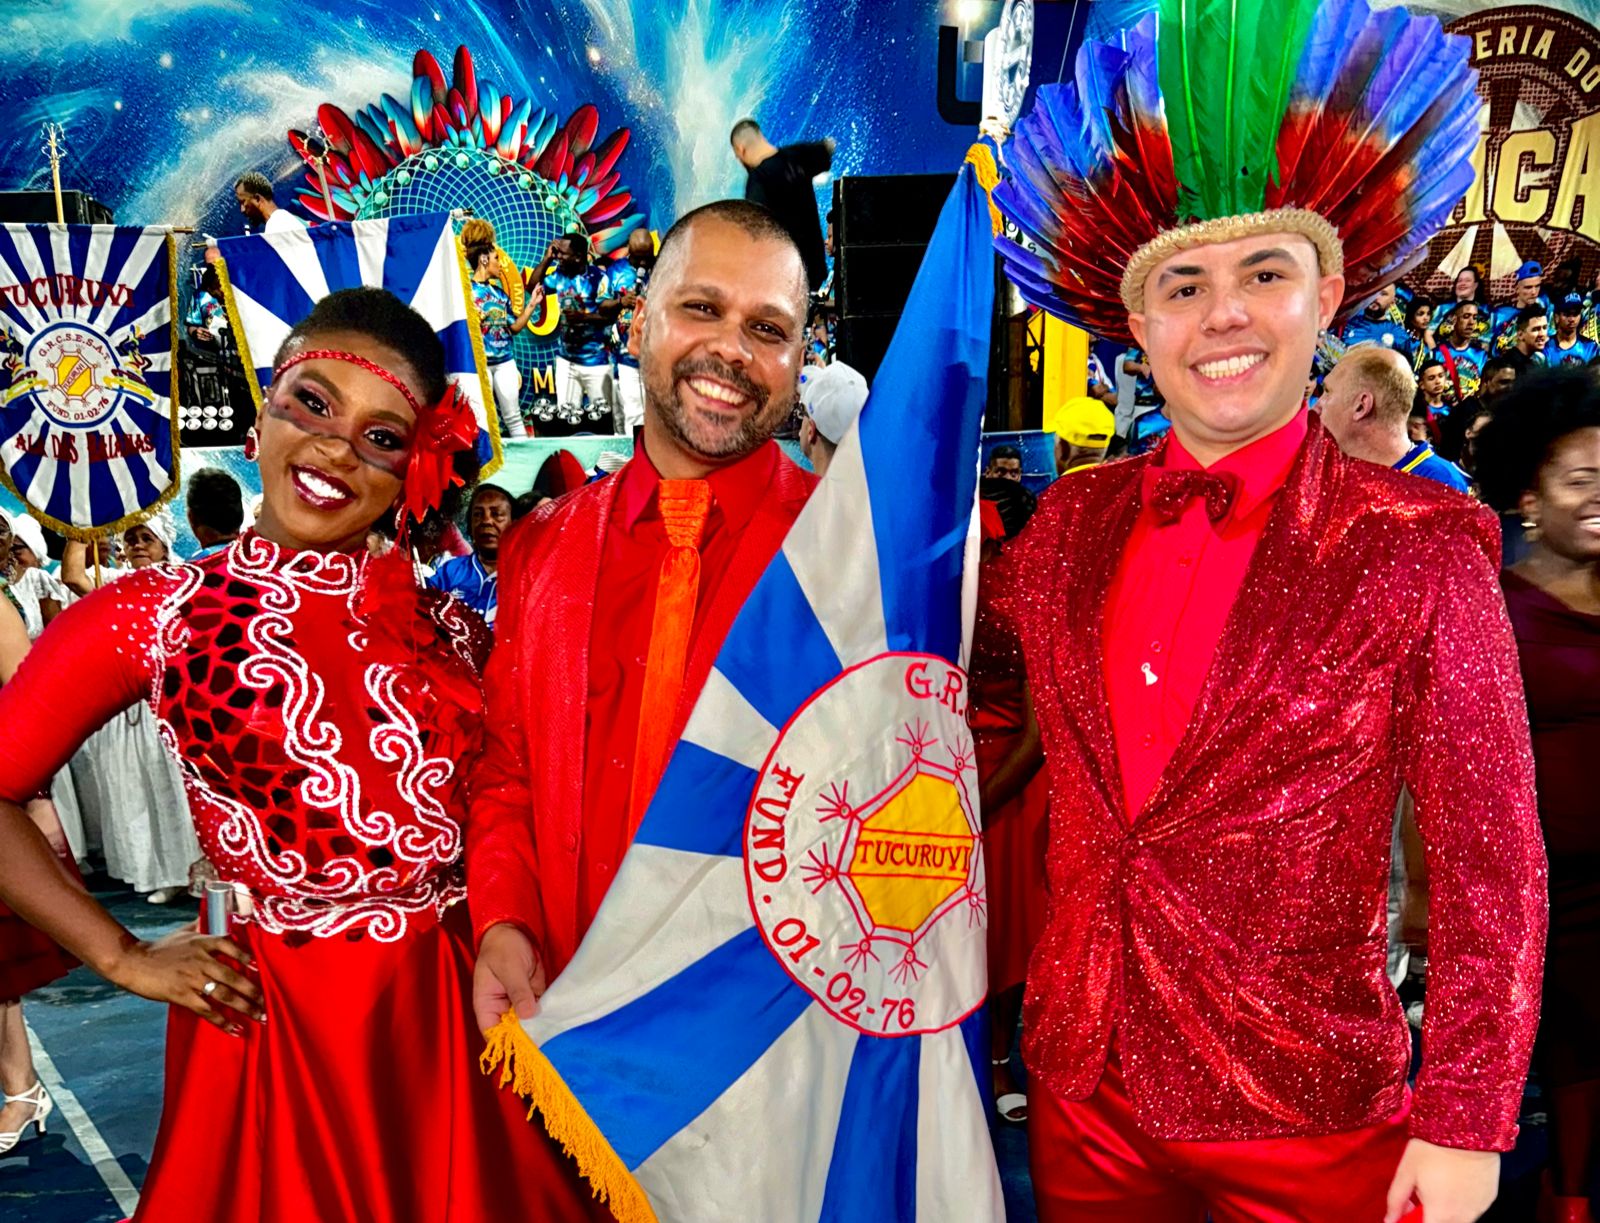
[{"x": 106, "y": 1046}]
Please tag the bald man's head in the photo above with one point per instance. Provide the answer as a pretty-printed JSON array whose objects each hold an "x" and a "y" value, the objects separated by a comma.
[
  {"x": 1384, "y": 374},
  {"x": 755, "y": 223},
  {"x": 1365, "y": 400}
]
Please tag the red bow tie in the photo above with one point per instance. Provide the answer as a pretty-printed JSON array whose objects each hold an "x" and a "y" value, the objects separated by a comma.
[{"x": 1173, "y": 490}]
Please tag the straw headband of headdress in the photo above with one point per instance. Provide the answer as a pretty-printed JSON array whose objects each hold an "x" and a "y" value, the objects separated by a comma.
[{"x": 1217, "y": 120}]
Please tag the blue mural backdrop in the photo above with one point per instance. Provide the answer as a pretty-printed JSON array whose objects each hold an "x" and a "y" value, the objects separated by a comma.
[{"x": 166, "y": 102}]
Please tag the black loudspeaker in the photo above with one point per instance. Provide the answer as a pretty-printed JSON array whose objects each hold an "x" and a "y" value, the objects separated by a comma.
[
  {"x": 17, "y": 207},
  {"x": 214, "y": 403},
  {"x": 882, "y": 224}
]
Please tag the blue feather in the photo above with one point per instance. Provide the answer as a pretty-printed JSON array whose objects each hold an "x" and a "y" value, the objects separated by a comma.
[
  {"x": 1099, "y": 74},
  {"x": 1110, "y": 19}
]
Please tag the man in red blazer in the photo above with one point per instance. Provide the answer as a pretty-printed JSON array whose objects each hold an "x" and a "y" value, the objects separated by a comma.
[
  {"x": 1238, "y": 649},
  {"x": 602, "y": 648},
  {"x": 1242, "y": 645}
]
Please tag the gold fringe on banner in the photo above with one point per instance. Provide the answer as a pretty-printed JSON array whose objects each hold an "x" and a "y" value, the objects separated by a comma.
[{"x": 525, "y": 1070}]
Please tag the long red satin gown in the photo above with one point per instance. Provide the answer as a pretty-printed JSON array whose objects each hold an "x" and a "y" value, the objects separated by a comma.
[
  {"x": 320, "y": 751},
  {"x": 1016, "y": 834}
]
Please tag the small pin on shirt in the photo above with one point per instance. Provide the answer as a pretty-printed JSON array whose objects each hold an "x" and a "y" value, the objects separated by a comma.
[{"x": 1150, "y": 676}]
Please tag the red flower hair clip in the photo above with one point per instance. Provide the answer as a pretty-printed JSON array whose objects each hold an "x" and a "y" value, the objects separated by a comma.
[{"x": 442, "y": 430}]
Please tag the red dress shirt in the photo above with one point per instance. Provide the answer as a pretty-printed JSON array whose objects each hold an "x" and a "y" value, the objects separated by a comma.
[
  {"x": 1173, "y": 590},
  {"x": 550, "y": 795},
  {"x": 630, "y": 566}
]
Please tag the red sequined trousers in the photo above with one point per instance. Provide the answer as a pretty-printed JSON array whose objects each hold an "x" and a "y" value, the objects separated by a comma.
[
  {"x": 1231, "y": 934},
  {"x": 321, "y": 755}
]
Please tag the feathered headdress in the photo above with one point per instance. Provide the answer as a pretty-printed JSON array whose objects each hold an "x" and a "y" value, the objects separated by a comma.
[{"x": 1221, "y": 119}]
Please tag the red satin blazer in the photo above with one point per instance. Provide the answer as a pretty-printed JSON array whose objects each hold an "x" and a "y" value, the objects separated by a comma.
[
  {"x": 1230, "y": 936},
  {"x": 524, "y": 848}
]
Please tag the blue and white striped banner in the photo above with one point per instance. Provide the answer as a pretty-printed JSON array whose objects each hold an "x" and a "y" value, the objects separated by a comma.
[
  {"x": 272, "y": 281},
  {"x": 778, "y": 1012},
  {"x": 88, "y": 427}
]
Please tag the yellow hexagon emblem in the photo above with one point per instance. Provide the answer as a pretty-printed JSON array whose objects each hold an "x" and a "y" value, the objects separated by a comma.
[
  {"x": 74, "y": 376},
  {"x": 913, "y": 853}
]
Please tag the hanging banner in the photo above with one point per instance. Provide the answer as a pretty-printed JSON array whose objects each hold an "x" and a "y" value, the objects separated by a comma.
[
  {"x": 88, "y": 411},
  {"x": 1536, "y": 196}
]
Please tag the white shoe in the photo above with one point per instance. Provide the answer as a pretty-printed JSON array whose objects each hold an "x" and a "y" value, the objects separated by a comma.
[
  {"x": 163, "y": 896},
  {"x": 42, "y": 1105}
]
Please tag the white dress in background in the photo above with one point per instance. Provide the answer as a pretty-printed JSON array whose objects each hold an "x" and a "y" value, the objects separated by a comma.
[
  {"x": 30, "y": 587},
  {"x": 133, "y": 804},
  {"x": 129, "y": 802}
]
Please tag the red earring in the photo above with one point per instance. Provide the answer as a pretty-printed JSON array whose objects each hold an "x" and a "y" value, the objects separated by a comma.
[{"x": 252, "y": 446}]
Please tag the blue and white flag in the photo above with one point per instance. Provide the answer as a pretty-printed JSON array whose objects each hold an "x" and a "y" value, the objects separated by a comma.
[
  {"x": 88, "y": 422},
  {"x": 778, "y": 1012},
  {"x": 272, "y": 280}
]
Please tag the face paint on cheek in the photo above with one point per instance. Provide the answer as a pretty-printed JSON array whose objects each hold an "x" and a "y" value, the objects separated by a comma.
[{"x": 292, "y": 410}]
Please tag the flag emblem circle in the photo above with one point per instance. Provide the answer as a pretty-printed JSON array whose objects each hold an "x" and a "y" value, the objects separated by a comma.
[
  {"x": 75, "y": 375},
  {"x": 863, "y": 858}
]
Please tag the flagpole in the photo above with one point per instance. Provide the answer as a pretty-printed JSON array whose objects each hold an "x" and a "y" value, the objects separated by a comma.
[
  {"x": 52, "y": 135},
  {"x": 54, "y": 147}
]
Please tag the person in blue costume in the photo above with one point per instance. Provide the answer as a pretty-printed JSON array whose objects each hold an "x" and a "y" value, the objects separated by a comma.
[
  {"x": 1567, "y": 346},
  {"x": 588, "y": 308},
  {"x": 1505, "y": 321},
  {"x": 1376, "y": 324}
]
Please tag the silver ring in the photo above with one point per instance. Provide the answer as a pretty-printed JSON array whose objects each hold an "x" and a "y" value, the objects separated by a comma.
[{"x": 210, "y": 987}]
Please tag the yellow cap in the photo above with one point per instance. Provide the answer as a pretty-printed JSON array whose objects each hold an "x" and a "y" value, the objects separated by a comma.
[{"x": 1081, "y": 421}]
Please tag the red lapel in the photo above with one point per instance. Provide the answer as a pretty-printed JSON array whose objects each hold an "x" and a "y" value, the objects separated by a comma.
[
  {"x": 1096, "y": 531},
  {"x": 563, "y": 565}
]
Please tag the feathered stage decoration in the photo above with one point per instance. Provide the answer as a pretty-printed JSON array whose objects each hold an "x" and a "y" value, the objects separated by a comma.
[{"x": 1209, "y": 120}]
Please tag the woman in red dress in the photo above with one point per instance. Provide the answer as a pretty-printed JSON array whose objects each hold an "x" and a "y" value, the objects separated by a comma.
[
  {"x": 320, "y": 1062},
  {"x": 1541, "y": 461},
  {"x": 1014, "y": 797}
]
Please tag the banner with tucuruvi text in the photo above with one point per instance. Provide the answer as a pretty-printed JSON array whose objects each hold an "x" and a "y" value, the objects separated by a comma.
[{"x": 88, "y": 418}]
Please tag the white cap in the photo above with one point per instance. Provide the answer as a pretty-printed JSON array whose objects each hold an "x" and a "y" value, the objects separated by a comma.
[
  {"x": 32, "y": 534},
  {"x": 164, "y": 527},
  {"x": 833, "y": 396}
]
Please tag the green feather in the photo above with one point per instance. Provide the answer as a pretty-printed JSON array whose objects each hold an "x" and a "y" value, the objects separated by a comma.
[{"x": 1226, "y": 68}]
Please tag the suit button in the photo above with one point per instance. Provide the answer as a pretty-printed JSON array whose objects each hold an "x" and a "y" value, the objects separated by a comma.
[{"x": 572, "y": 842}]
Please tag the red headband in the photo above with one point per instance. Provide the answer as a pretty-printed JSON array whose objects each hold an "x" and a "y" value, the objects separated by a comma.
[{"x": 442, "y": 429}]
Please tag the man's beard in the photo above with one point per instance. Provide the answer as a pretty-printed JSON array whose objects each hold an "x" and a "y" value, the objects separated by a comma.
[{"x": 693, "y": 434}]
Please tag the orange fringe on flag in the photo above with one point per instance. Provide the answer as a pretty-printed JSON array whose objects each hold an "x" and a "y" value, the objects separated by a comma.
[
  {"x": 981, "y": 158},
  {"x": 526, "y": 1070}
]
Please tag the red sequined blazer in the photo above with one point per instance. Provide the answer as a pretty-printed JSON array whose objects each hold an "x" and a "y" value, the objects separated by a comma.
[{"x": 1230, "y": 937}]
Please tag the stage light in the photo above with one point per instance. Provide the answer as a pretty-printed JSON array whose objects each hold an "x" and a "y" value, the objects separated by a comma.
[{"x": 970, "y": 12}]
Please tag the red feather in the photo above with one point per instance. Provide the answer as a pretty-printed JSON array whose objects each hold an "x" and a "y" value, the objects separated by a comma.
[
  {"x": 466, "y": 80},
  {"x": 424, "y": 65}
]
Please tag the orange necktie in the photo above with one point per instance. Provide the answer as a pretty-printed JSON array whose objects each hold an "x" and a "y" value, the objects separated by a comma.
[{"x": 683, "y": 505}]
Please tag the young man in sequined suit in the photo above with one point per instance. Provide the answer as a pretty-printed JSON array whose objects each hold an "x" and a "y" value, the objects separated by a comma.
[{"x": 1239, "y": 647}]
